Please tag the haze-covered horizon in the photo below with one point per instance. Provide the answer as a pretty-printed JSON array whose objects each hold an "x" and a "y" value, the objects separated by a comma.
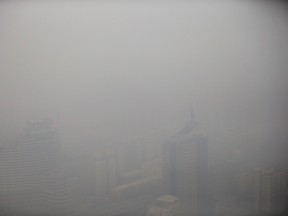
[
  {"x": 109, "y": 71},
  {"x": 125, "y": 76}
]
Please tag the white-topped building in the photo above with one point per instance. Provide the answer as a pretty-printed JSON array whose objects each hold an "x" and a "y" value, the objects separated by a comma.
[{"x": 166, "y": 205}]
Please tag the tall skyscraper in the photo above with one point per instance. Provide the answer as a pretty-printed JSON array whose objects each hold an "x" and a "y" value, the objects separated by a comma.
[
  {"x": 103, "y": 173},
  {"x": 271, "y": 191},
  {"x": 129, "y": 156},
  {"x": 186, "y": 169},
  {"x": 25, "y": 167}
]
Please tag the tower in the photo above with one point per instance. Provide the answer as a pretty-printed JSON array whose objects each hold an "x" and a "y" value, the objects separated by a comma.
[
  {"x": 270, "y": 191},
  {"x": 103, "y": 173},
  {"x": 26, "y": 168},
  {"x": 185, "y": 158}
]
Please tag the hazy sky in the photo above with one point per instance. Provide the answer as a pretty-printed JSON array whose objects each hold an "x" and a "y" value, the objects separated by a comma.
[{"x": 112, "y": 71}]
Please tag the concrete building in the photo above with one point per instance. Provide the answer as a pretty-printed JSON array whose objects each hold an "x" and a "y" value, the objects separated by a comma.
[
  {"x": 147, "y": 187},
  {"x": 224, "y": 205},
  {"x": 244, "y": 190},
  {"x": 56, "y": 193},
  {"x": 134, "y": 197},
  {"x": 25, "y": 166},
  {"x": 153, "y": 168},
  {"x": 166, "y": 205},
  {"x": 270, "y": 191},
  {"x": 103, "y": 173},
  {"x": 186, "y": 169},
  {"x": 129, "y": 157}
]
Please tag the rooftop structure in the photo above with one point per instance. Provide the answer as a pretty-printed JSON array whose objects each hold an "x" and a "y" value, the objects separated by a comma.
[{"x": 166, "y": 205}]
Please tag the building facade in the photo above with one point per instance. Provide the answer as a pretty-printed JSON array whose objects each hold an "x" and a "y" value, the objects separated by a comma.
[
  {"x": 103, "y": 173},
  {"x": 25, "y": 167},
  {"x": 166, "y": 205},
  {"x": 186, "y": 169},
  {"x": 270, "y": 191}
]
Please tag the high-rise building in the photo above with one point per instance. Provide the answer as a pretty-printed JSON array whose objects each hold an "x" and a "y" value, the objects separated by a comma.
[
  {"x": 186, "y": 169},
  {"x": 25, "y": 166},
  {"x": 56, "y": 193},
  {"x": 103, "y": 173},
  {"x": 270, "y": 191},
  {"x": 152, "y": 168},
  {"x": 166, "y": 205},
  {"x": 129, "y": 156},
  {"x": 244, "y": 190},
  {"x": 224, "y": 205}
]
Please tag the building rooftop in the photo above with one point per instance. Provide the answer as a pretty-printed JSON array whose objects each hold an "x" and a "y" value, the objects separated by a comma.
[
  {"x": 191, "y": 131},
  {"x": 167, "y": 199}
]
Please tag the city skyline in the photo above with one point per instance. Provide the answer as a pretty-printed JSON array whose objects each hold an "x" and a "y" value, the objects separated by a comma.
[{"x": 110, "y": 87}]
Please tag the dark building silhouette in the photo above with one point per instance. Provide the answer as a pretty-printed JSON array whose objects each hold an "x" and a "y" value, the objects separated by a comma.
[
  {"x": 186, "y": 169},
  {"x": 270, "y": 191}
]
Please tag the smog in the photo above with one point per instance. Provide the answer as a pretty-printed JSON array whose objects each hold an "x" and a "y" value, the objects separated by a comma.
[{"x": 143, "y": 108}]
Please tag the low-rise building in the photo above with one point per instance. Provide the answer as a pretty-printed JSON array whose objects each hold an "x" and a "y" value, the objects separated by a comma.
[{"x": 166, "y": 205}]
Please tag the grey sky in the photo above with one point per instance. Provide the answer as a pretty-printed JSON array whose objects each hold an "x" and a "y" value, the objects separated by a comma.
[{"x": 112, "y": 71}]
